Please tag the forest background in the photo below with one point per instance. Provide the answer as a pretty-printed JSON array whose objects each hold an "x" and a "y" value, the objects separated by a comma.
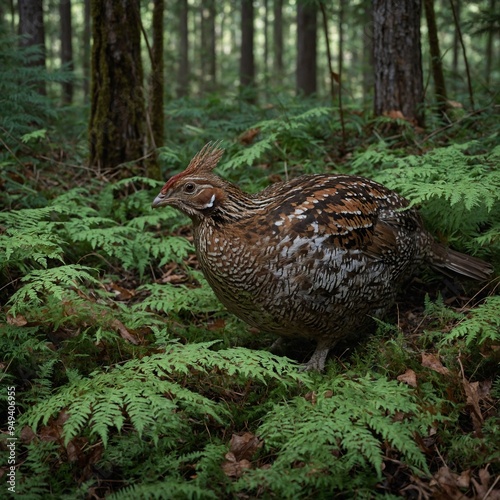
[{"x": 122, "y": 376}]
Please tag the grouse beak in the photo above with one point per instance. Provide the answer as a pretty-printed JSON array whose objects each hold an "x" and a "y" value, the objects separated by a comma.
[{"x": 159, "y": 201}]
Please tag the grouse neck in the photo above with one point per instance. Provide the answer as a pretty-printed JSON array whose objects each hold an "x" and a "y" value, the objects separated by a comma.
[{"x": 237, "y": 205}]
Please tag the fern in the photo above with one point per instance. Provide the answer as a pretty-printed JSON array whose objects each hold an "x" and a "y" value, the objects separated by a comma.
[
  {"x": 483, "y": 324},
  {"x": 459, "y": 191},
  {"x": 56, "y": 282},
  {"x": 319, "y": 444},
  {"x": 24, "y": 109},
  {"x": 168, "y": 298},
  {"x": 146, "y": 391}
]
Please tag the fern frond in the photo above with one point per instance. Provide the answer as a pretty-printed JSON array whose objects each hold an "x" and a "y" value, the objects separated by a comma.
[
  {"x": 318, "y": 444},
  {"x": 56, "y": 282},
  {"x": 168, "y": 298},
  {"x": 483, "y": 324},
  {"x": 146, "y": 392}
]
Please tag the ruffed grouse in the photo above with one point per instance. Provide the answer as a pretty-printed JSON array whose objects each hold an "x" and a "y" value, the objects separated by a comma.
[{"x": 314, "y": 257}]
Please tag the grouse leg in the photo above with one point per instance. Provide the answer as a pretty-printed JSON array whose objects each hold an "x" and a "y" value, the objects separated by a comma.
[{"x": 318, "y": 359}]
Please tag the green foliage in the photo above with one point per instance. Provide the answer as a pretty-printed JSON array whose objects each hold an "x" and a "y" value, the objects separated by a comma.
[
  {"x": 458, "y": 187},
  {"x": 482, "y": 325},
  {"x": 320, "y": 443},
  {"x": 127, "y": 377},
  {"x": 24, "y": 109},
  {"x": 169, "y": 298}
]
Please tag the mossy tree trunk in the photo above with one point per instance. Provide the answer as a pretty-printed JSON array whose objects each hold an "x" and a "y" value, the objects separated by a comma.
[
  {"x": 117, "y": 117},
  {"x": 398, "y": 59}
]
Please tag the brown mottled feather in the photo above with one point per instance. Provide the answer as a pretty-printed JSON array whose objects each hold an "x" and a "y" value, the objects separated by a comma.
[{"x": 315, "y": 257}]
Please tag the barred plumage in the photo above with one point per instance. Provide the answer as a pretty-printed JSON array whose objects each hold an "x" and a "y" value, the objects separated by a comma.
[{"x": 315, "y": 257}]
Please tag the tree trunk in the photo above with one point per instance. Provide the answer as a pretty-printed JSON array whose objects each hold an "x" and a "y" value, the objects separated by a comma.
[
  {"x": 489, "y": 45},
  {"x": 266, "y": 45},
  {"x": 86, "y": 50},
  {"x": 306, "y": 48},
  {"x": 367, "y": 51},
  {"x": 398, "y": 59},
  {"x": 183, "y": 71},
  {"x": 437, "y": 66},
  {"x": 157, "y": 80},
  {"x": 456, "y": 45},
  {"x": 66, "y": 47},
  {"x": 31, "y": 29},
  {"x": 117, "y": 115},
  {"x": 341, "y": 37},
  {"x": 247, "y": 63},
  {"x": 278, "y": 41},
  {"x": 208, "y": 58}
]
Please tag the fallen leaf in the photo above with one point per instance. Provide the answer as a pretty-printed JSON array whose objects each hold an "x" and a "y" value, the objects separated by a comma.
[
  {"x": 120, "y": 292},
  {"x": 124, "y": 333},
  {"x": 408, "y": 377},
  {"x": 394, "y": 114},
  {"x": 244, "y": 446},
  {"x": 233, "y": 467},
  {"x": 485, "y": 487},
  {"x": 241, "y": 450},
  {"x": 431, "y": 361},
  {"x": 18, "y": 320},
  {"x": 248, "y": 136},
  {"x": 476, "y": 392},
  {"x": 27, "y": 435}
]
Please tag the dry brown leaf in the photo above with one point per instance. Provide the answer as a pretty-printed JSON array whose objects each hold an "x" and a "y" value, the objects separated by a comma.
[
  {"x": 311, "y": 396},
  {"x": 124, "y": 333},
  {"x": 486, "y": 486},
  {"x": 475, "y": 393},
  {"x": 241, "y": 450},
  {"x": 446, "y": 483},
  {"x": 394, "y": 114},
  {"x": 234, "y": 468},
  {"x": 245, "y": 446},
  {"x": 408, "y": 377},
  {"x": 432, "y": 361},
  {"x": 18, "y": 320},
  {"x": 248, "y": 136},
  {"x": 27, "y": 435},
  {"x": 120, "y": 292}
]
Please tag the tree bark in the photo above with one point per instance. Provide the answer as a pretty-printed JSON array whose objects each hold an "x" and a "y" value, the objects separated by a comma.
[
  {"x": 66, "y": 47},
  {"x": 247, "y": 62},
  {"x": 117, "y": 119},
  {"x": 397, "y": 59},
  {"x": 367, "y": 51},
  {"x": 437, "y": 66},
  {"x": 456, "y": 43},
  {"x": 278, "y": 41},
  {"x": 183, "y": 71},
  {"x": 208, "y": 57},
  {"x": 86, "y": 50},
  {"x": 32, "y": 31},
  {"x": 489, "y": 44},
  {"x": 157, "y": 79},
  {"x": 306, "y": 48}
]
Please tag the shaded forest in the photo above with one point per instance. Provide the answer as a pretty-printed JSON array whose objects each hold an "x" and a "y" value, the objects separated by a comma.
[{"x": 122, "y": 374}]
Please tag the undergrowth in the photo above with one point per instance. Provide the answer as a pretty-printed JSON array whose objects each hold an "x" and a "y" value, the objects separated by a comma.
[{"x": 131, "y": 381}]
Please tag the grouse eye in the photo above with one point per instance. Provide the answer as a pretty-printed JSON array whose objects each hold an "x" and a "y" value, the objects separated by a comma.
[{"x": 189, "y": 187}]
